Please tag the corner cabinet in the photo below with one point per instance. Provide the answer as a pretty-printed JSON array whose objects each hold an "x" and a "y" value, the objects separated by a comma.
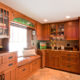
[
  {"x": 72, "y": 30},
  {"x": 4, "y": 23},
  {"x": 43, "y": 31}
]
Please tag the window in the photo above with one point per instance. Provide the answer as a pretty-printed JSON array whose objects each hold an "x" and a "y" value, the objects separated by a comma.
[{"x": 18, "y": 39}]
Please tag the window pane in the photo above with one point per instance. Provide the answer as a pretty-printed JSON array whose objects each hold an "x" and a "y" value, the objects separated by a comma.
[{"x": 18, "y": 39}]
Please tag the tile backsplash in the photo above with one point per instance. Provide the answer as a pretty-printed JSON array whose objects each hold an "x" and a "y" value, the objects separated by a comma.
[{"x": 68, "y": 44}]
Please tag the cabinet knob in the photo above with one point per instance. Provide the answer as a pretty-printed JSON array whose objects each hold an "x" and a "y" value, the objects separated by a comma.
[{"x": 24, "y": 69}]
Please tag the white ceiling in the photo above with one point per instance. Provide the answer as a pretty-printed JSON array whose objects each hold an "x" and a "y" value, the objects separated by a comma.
[{"x": 53, "y": 10}]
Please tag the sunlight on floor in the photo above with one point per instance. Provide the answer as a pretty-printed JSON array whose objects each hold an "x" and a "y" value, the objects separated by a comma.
[{"x": 51, "y": 74}]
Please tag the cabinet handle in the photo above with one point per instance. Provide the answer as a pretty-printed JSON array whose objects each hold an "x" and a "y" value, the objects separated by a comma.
[
  {"x": 69, "y": 55},
  {"x": 24, "y": 69},
  {"x": 10, "y": 57},
  {"x": 10, "y": 64}
]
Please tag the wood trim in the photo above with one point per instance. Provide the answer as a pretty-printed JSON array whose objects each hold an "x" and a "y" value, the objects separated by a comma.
[
  {"x": 63, "y": 21},
  {"x": 15, "y": 14},
  {"x": 23, "y": 25}
]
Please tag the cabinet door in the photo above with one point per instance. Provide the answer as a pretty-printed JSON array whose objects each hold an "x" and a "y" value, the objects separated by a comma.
[
  {"x": 23, "y": 71},
  {"x": 46, "y": 32},
  {"x": 43, "y": 31},
  {"x": 71, "y": 30},
  {"x": 9, "y": 75},
  {"x": 39, "y": 31},
  {"x": 47, "y": 59},
  {"x": 35, "y": 65},
  {"x": 52, "y": 60},
  {"x": 13, "y": 74}
]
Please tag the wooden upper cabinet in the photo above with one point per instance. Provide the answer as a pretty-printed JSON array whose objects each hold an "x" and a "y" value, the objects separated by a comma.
[
  {"x": 46, "y": 32},
  {"x": 43, "y": 31},
  {"x": 7, "y": 9},
  {"x": 72, "y": 30},
  {"x": 39, "y": 31}
]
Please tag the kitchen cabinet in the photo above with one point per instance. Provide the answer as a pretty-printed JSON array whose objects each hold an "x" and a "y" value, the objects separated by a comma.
[
  {"x": 46, "y": 58},
  {"x": 52, "y": 59},
  {"x": 62, "y": 60},
  {"x": 46, "y": 31},
  {"x": 24, "y": 71},
  {"x": 43, "y": 31},
  {"x": 72, "y": 30},
  {"x": 4, "y": 23},
  {"x": 8, "y": 66},
  {"x": 37, "y": 65},
  {"x": 68, "y": 30},
  {"x": 39, "y": 31},
  {"x": 9, "y": 75}
]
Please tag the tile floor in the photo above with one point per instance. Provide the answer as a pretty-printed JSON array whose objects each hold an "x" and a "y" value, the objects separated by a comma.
[{"x": 52, "y": 74}]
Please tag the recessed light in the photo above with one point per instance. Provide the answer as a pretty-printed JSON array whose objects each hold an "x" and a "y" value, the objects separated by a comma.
[
  {"x": 68, "y": 17},
  {"x": 45, "y": 20}
]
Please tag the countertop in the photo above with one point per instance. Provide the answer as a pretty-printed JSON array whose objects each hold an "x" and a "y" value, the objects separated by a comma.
[
  {"x": 7, "y": 52},
  {"x": 58, "y": 50},
  {"x": 24, "y": 60}
]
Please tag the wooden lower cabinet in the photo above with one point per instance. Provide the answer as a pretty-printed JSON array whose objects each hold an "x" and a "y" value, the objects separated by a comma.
[
  {"x": 8, "y": 75},
  {"x": 52, "y": 60},
  {"x": 23, "y": 72},
  {"x": 64, "y": 60},
  {"x": 35, "y": 65}
]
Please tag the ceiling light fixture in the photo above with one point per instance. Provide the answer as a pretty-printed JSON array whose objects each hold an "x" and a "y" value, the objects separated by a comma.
[
  {"x": 68, "y": 17},
  {"x": 45, "y": 20}
]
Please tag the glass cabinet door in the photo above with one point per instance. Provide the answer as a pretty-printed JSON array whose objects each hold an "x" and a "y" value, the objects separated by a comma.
[
  {"x": 4, "y": 22},
  {"x": 1, "y": 21}
]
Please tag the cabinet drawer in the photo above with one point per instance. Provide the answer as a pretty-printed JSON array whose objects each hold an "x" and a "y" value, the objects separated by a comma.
[
  {"x": 8, "y": 58},
  {"x": 11, "y": 64},
  {"x": 75, "y": 68},
  {"x": 36, "y": 65},
  {"x": 70, "y": 59},
  {"x": 6, "y": 66},
  {"x": 23, "y": 71},
  {"x": 66, "y": 66}
]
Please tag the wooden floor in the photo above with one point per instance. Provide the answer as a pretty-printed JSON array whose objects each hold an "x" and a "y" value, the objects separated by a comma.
[{"x": 52, "y": 74}]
